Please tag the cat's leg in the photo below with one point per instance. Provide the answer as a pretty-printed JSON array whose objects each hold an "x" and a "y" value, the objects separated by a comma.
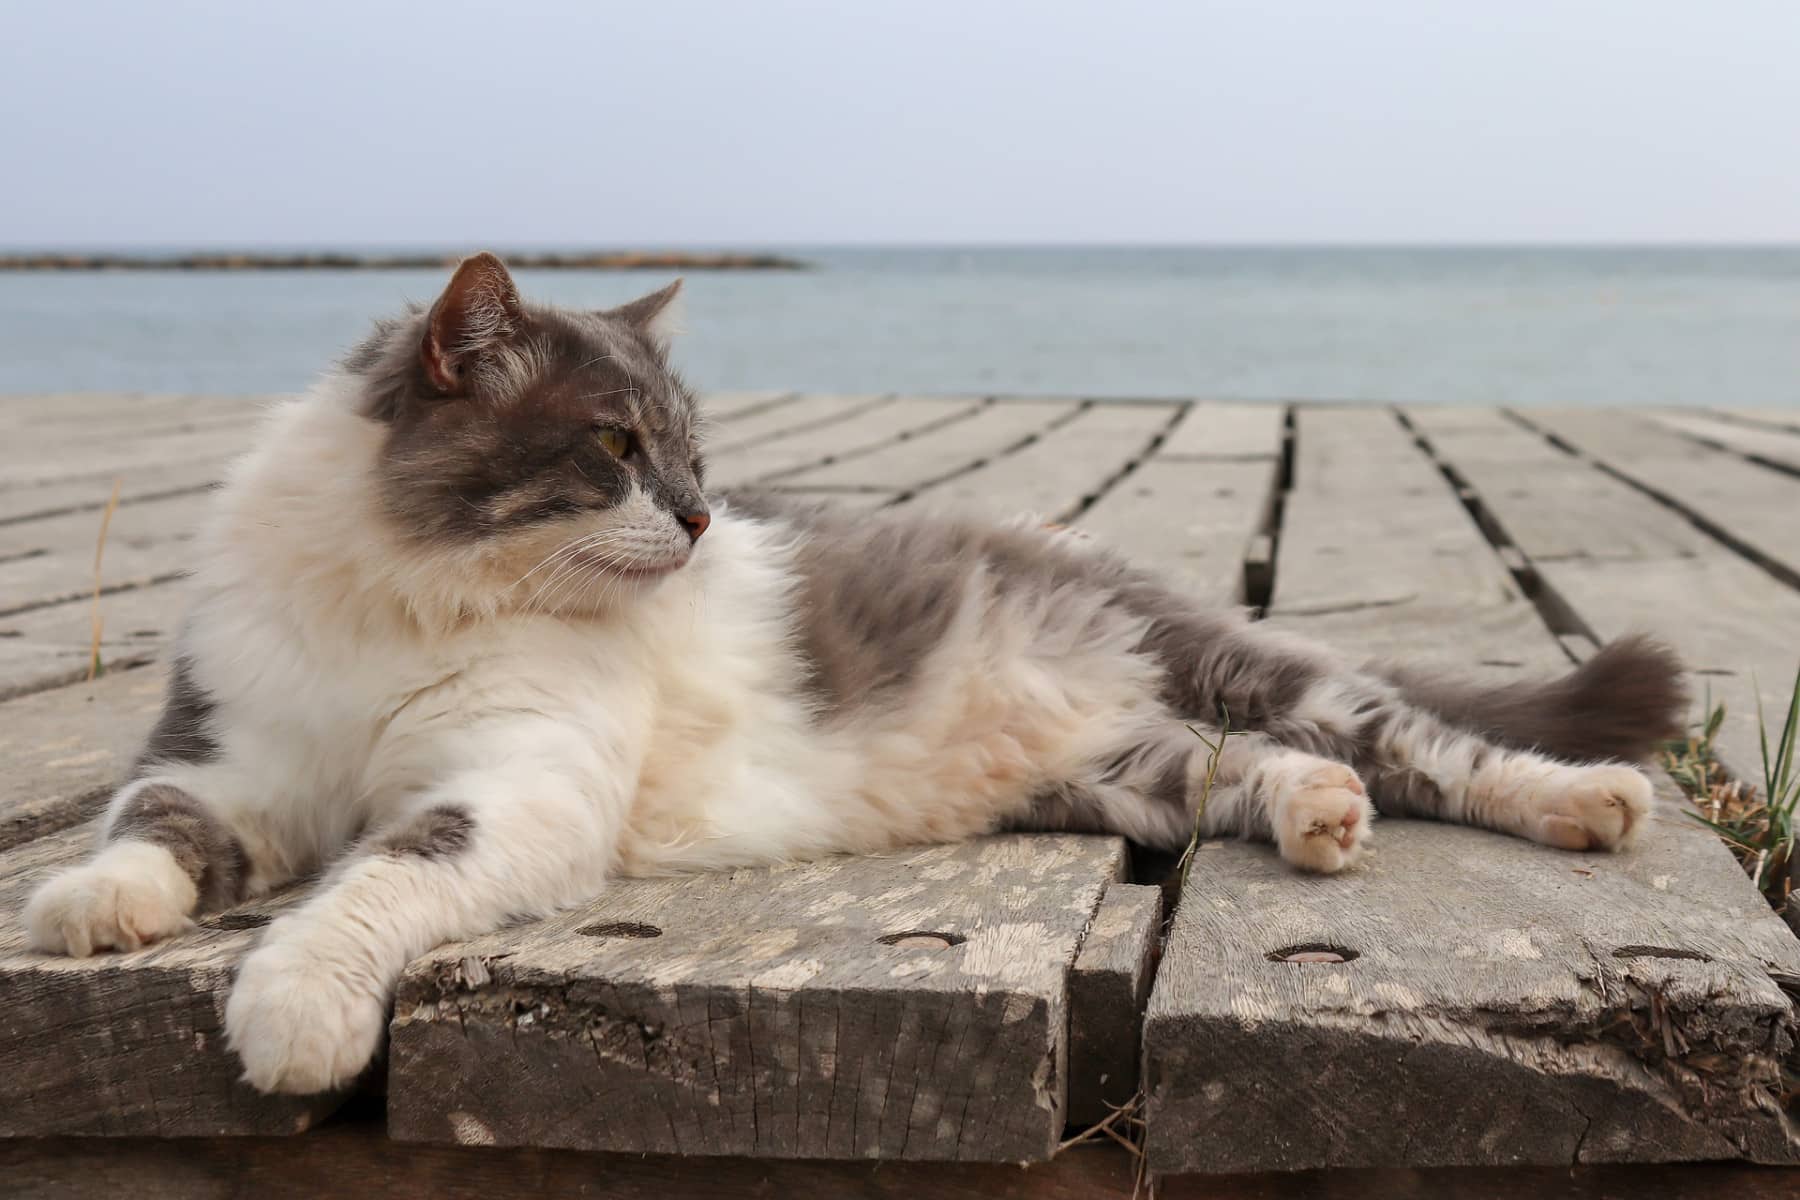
[
  {"x": 1177, "y": 779},
  {"x": 1415, "y": 762},
  {"x": 524, "y": 836},
  {"x": 165, "y": 853},
  {"x": 1418, "y": 765}
]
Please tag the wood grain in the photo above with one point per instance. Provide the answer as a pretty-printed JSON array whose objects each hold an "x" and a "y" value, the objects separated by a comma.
[
  {"x": 843, "y": 442},
  {"x": 1506, "y": 1004},
  {"x": 1064, "y": 467},
  {"x": 763, "y": 1013},
  {"x": 1630, "y": 563},
  {"x": 1108, "y": 990},
  {"x": 66, "y": 750},
  {"x": 1195, "y": 517},
  {"x": 126, "y": 1044},
  {"x": 914, "y": 464},
  {"x": 1750, "y": 503}
]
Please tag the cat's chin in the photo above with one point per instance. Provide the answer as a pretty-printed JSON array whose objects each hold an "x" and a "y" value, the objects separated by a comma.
[{"x": 651, "y": 573}]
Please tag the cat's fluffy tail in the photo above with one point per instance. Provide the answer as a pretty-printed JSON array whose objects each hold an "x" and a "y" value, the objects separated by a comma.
[{"x": 1619, "y": 704}]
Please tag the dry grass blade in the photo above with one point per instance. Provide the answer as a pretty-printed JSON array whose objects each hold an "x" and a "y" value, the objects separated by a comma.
[
  {"x": 1214, "y": 751},
  {"x": 1131, "y": 1139},
  {"x": 1758, "y": 827},
  {"x": 94, "y": 667}
]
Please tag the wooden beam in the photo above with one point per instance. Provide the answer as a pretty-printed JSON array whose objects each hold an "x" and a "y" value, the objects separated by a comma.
[
  {"x": 127, "y": 1044},
  {"x": 1064, "y": 467},
  {"x": 1630, "y": 563},
  {"x": 905, "y": 1006},
  {"x": 66, "y": 750},
  {"x": 916, "y": 462},
  {"x": 1197, "y": 518},
  {"x": 861, "y": 435},
  {"x": 355, "y": 1159},
  {"x": 1108, "y": 990},
  {"x": 1500, "y": 1003}
]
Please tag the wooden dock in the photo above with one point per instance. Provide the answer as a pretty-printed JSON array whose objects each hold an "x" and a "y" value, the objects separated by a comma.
[{"x": 1505, "y": 1005}]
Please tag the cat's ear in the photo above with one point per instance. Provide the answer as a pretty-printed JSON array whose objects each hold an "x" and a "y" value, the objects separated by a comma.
[
  {"x": 657, "y": 316},
  {"x": 479, "y": 308}
]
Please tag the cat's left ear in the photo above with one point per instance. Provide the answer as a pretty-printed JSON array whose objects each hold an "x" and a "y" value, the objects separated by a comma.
[
  {"x": 657, "y": 316},
  {"x": 479, "y": 309}
]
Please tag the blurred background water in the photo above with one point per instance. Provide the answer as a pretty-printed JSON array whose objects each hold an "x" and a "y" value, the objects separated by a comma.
[{"x": 1490, "y": 326}]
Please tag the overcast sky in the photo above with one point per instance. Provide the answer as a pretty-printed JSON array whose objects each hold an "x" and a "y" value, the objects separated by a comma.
[{"x": 664, "y": 122}]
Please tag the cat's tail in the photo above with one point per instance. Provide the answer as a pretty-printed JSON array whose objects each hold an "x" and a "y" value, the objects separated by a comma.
[{"x": 1619, "y": 704}]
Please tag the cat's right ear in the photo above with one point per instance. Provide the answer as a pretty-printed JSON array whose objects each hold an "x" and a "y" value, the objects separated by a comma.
[{"x": 479, "y": 308}]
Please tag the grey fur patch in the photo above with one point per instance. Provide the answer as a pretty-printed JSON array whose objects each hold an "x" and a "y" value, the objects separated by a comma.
[
  {"x": 183, "y": 733},
  {"x": 437, "y": 832},
  {"x": 207, "y": 852},
  {"x": 879, "y": 590}
]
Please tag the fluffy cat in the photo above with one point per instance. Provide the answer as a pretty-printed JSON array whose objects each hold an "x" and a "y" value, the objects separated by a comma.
[{"x": 470, "y": 637}]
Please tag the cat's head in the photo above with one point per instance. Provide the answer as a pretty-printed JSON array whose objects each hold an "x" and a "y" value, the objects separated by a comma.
[{"x": 548, "y": 445}]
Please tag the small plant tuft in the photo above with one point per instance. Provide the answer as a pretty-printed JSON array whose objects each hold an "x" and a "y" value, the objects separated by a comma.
[{"x": 1758, "y": 826}]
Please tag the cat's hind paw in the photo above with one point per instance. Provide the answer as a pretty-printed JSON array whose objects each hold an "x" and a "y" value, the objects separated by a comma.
[
  {"x": 299, "y": 1024},
  {"x": 1322, "y": 817},
  {"x": 1592, "y": 808},
  {"x": 132, "y": 894}
]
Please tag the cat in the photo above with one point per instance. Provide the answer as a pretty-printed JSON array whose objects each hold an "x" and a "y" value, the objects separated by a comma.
[{"x": 471, "y": 637}]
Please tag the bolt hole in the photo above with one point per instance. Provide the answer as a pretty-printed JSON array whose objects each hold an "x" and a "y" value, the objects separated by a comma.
[
  {"x": 923, "y": 939},
  {"x": 235, "y": 921},
  {"x": 1312, "y": 952},
  {"x": 1659, "y": 952},
  {"x": 620, "y": 929}
]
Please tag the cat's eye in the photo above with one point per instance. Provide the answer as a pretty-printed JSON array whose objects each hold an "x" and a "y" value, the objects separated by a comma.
[{"x": 617, "y": 442}]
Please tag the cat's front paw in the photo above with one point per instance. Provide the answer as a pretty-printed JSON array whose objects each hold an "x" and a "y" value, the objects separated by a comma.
[
  {"x": 1322, "y": 816},
  {"x": 133, "y": 894},
  {"x": 297, "y": 1024},
  {"x": 1591, "y": 808}
]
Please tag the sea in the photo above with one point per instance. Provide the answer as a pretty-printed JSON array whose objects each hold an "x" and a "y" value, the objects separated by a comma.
[{"x": 1517, "y": 326}]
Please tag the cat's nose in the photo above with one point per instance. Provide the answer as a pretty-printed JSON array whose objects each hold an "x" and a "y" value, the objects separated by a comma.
[{"x": 695, "y": 524}]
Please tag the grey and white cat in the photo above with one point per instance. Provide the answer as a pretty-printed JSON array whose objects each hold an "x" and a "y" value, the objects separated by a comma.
[{"x": 470, "y": 635}]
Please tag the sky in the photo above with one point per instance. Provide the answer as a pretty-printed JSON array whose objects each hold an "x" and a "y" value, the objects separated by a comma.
[{"x": 769, "y": 122}]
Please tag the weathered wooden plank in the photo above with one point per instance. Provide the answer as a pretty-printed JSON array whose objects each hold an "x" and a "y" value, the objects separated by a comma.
[
  {"x": 912, "y": 1005},
  {"x": 49, "y": 647},
  {"x": 1630, "y": 563},
  {"x": 1751, "y": 504},
  {"x": 917, "y": 462},
  {"x": 1765, "y": 444},
  {"x": 65, "y": 750},
  {"x": 843, "y": 441},
  {"x": 1196, "y": 518},
  {"x": 1773, "y": 417},
  {"x": 1379, "y": 557},
  {"x": 1213, "y": 430},
  {"x": 353, "y": 1158},
  {"x": 1504, "y": 1003},
  {"x": 111, "y": 415},
  {"x": 346, "y": 1158},
  {"x": 126, "y": 1044},
  {"x": 152, "y": 481},
  {"x": 731, "y": 406},
  {"x": 113, "y": 458},
  {"x": 52, "y": 561},
  {"x": 803, "y": 413},
  {"x": 1107, "y": 993},
  {"x": 1063, "y": 467}
]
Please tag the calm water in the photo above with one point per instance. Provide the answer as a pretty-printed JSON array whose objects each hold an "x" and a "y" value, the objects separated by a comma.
[{"x": 1459, "y": 326}]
